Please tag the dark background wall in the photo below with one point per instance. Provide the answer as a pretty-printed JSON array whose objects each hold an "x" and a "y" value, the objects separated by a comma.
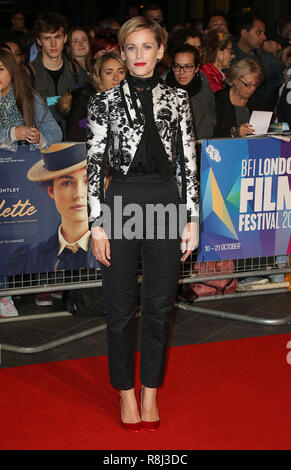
[{"x": 176, "y": 11}]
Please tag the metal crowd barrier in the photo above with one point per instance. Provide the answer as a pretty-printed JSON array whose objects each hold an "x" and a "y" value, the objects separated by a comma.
[
  {"x": 88, "y": 278},
  {"x": 58, "y": 281},
  {"x": 243, "y": 268}
]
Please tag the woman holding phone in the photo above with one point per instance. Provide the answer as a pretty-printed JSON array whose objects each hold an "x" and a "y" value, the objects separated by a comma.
[{"x": 24, "y": 117}]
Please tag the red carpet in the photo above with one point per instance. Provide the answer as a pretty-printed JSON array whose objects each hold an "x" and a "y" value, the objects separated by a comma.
[{"x": 224, "y": 395}]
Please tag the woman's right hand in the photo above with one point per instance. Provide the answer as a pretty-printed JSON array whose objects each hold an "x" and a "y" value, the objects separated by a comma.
[
  {"x": 100, "y": 245},
  {"x": 21, "y": 132},
  {"x": 245, "y": 129}
]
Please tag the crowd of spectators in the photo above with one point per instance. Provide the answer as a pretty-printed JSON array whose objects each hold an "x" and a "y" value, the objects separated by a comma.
[
  {"x": 227, "y": 73},
  {"x": 64, "y": 67}
]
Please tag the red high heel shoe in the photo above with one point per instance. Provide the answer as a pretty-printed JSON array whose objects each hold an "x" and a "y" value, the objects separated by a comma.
[
  {"x": 151, "y": 426},
  {"x": 131, "y": 427}
]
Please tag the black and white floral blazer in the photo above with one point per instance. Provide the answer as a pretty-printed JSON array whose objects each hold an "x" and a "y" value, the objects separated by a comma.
[{"x": 114, "y": 129}]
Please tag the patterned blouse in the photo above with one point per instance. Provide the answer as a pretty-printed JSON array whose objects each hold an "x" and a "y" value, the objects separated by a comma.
[{"x": 10, "y": 115}]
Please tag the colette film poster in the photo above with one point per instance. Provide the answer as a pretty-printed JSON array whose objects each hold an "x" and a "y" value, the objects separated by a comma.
[
  {"x": 245, "y": 198},
  {"x": 43, "y": 210}
]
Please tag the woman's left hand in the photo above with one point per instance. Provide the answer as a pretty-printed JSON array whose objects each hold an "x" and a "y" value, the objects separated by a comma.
[
  {"x": 245, "y": 129},
  {"x": 189, "y": 239},
  {"x": 33, "y": 135}
]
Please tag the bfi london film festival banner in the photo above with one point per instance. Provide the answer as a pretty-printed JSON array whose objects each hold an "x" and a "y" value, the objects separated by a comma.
[
  {"x": 43, "y": 210},
  {"x": 245, "y": 198}
]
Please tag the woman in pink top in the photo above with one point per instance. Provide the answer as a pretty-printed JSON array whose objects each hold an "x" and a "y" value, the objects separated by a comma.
[{"x": 217, "y": 56}]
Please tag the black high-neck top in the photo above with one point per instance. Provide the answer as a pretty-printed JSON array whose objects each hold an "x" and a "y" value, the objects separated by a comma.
[{"x": 150, "y": 156}]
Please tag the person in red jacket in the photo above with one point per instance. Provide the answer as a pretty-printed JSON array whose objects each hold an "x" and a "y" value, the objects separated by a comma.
[{"x": 217, "y": 56}]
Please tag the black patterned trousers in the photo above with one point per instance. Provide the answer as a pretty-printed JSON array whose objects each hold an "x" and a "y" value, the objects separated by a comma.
[{"x": 160, "y": 261}]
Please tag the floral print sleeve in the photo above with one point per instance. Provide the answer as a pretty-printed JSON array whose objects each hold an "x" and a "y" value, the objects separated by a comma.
[
  {"x": 97, "y": 134},
  {"x": 186, "y": 168}
]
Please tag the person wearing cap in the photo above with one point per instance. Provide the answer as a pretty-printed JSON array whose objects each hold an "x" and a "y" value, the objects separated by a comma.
[
  {"x": 274, "y": 43},
  {"x": 284, "y": 102},
  {"x": 62, "y": 170},
  {"x": 270, "y": 55}
]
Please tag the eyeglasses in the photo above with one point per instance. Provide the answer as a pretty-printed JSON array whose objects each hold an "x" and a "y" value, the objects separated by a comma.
[
  {"x": 222, "y": 23},
  {"x": 186, "y": 68},
  {"x": 248, "y": 85}
]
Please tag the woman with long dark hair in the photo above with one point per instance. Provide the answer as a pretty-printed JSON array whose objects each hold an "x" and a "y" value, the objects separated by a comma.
[
  {"x": 79, "y": 47},
  {"x": 24, "y": 117},
  {"x": 145, "y": 128}
]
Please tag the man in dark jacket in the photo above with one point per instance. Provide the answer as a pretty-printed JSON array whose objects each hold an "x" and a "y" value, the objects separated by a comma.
[
  {"x": 251, "y": 34},
  {"x": 52, "y": 73}
]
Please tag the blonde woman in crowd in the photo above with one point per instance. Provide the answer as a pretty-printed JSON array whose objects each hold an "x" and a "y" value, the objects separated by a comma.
[{"x": 107, "y": 72}]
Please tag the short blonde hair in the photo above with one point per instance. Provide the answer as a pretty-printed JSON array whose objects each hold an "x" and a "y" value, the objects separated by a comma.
[
  {"x": 137, "y": 24},
  {"x": 99, "y": 64},
  {"x": 242, "y": 67}
]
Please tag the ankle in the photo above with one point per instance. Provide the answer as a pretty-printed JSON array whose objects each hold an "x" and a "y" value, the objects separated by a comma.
[
  {"x": 149, "y": 394},
  {"x": 128, "y": 406},
  {"x": 148, "y": 401}
]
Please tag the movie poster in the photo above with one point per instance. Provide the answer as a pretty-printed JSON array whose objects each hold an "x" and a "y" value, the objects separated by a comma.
[
  {"x": 43, "y": 210},
  {"x": 245, "y": 198}
]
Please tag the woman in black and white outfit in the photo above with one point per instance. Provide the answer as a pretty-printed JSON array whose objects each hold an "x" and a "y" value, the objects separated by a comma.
[{"x": 144, "y": 131}]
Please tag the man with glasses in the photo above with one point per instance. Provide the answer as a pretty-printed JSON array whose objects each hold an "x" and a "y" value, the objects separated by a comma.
[
  {"x": 218, "y": 22},
  {"x": 52, "y": 73},
  {"x": 154, "y": 12}
]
